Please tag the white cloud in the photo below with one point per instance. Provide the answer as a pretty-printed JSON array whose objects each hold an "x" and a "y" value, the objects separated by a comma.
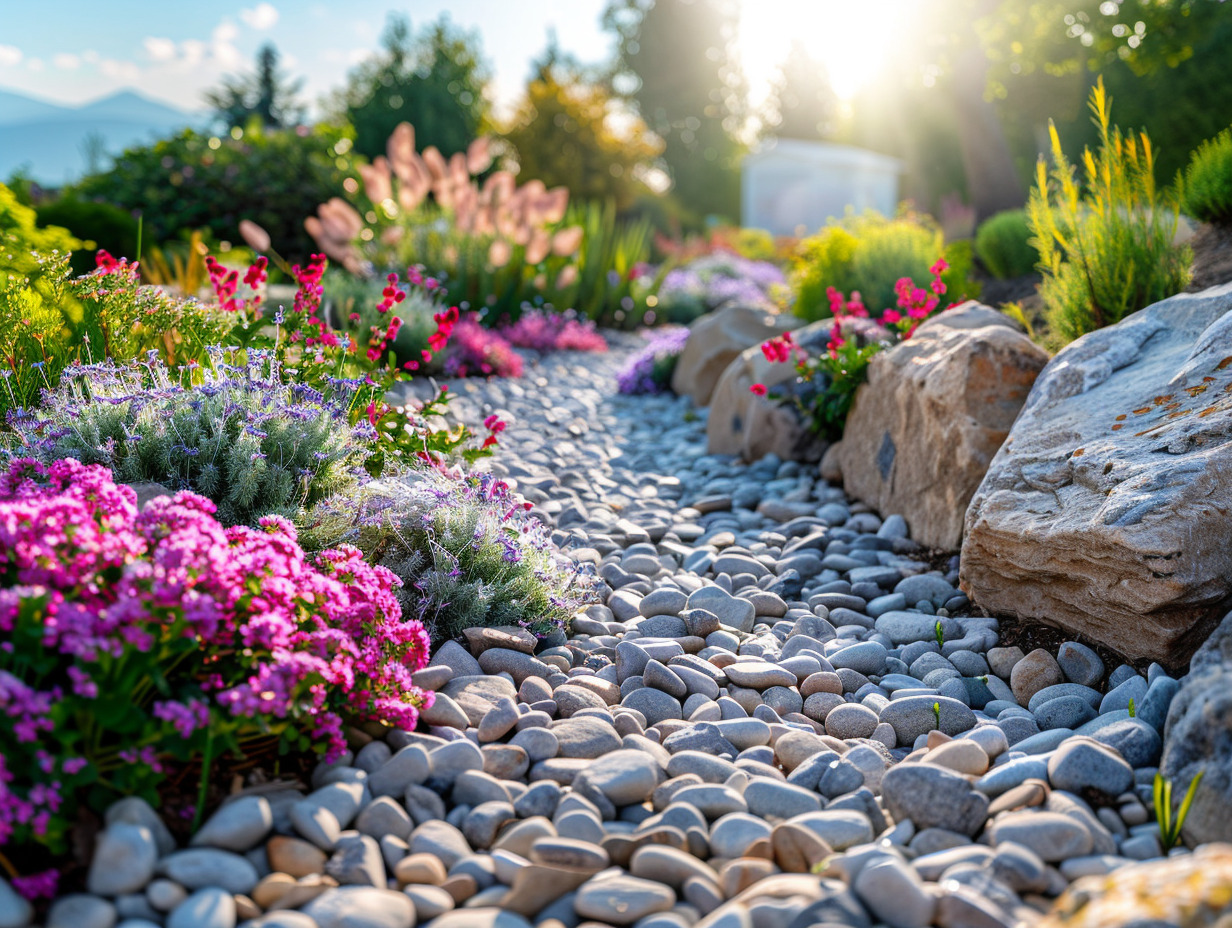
[
  {"x": 260, "y": 17},
  {"x": 225, "y": 31},
  {"x": 90, "y": 56},
  {"x": 125, "y": 71},
  {"x": 10, "y": 55},
  {"x": 159, "y": 49},
  {"x": 193, "y": 51},
  {"x": 35, "y": 64},
  {"x": 222, "y": 45},
  {"x": 66, "y": 62}
]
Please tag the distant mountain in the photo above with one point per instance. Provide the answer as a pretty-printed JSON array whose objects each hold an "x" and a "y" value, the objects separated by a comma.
[{"x": 49, "y": 140}]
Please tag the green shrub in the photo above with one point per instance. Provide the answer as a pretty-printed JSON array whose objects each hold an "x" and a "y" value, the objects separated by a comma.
[
  {"x": 1110, "y": 252},
  {"x": 468, "y": 552},
  {"x": 98, "y": 225},
  {"x": 889, "y": 251},
  {"x": 870, "y": 254},
  {"x": 195, "y": 181},
  {"x": 240, "y": 437},
  {"x": 1207, "y": 185},
  {"x": 23, "y": 245},
  {"x": 1003, "y": 245},
  {"x": 821, "y": 261}
]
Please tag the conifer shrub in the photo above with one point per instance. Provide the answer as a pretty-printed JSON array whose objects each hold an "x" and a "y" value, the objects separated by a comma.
[{"x": 1207, "y": 184}]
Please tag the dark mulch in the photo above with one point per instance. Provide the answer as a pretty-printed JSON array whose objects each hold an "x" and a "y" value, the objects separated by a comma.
[{"x": 996, "y": 292}]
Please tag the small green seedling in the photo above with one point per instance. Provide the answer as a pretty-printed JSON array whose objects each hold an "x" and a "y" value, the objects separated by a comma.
[
  {"x": 1169, "y": 828},
  {"x": 1133, "y": 708},
  {"x": 937, "y": 714},
  {"x": 939, "y": 634}
]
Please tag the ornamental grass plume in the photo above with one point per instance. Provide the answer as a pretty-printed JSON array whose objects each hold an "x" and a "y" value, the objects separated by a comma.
[
  {"x": 466, "y": 549},
  {"x": 235, "y": 433},
  {"x": 133, "y": 645}
]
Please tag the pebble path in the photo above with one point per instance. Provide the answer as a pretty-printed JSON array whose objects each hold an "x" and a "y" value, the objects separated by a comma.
[{"x": 776, "y": 686}]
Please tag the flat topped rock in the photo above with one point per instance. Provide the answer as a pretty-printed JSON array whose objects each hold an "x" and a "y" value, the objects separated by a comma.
[
  {"x": 508, "y": 636},
  {"x": 1099, "y": 513}
]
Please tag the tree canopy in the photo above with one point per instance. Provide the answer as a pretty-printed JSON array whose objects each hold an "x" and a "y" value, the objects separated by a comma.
[
  {"x": 434, "y": 80},
  {"x": 267, "y": 94},
  {"x": 569, "y": 131},
  {"x": 676, "y": 62}
]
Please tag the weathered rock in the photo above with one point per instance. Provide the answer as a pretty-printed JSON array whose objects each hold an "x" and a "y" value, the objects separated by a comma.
[
  {"x": 753, "y": 426},
  {"x": 933, "y": 797},
  {"x": 1198, "y": 737},
  {"x": 1100, "y": 512},
  {"x": 1191, "y": 890},
  {"x": 935, "y": 409},
  {"x": 714, "y": 342}
]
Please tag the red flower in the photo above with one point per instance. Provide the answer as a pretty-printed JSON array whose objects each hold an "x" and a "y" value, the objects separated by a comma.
[{"x": 758, "y": 388}]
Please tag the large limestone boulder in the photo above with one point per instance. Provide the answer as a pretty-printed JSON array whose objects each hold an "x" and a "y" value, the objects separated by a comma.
[
  {"x": 753, "y": 426},
  {"x": 1198, "y": 737},
  {"x": 1108, "y": 511},
  {"x": 716, "y": 339},
  {"x": 935, "y": 409}
]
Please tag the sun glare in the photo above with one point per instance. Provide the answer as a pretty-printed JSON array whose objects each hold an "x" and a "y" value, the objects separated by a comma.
[{"x": 850, "y": 37}]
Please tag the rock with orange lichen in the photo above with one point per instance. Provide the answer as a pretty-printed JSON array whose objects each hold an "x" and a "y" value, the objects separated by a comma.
[
  {"x": 1106, "y": 510},
  {"x": 1191, "y": 891}
]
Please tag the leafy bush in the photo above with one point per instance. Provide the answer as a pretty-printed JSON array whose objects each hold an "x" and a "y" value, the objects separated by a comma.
[
  {"x": 822, "y": 261},
  {"x": 196, "y": 181},
  {"x": 869, "y": 254},
  {"x": 466, "y": 549},
  {"x": 135, "y": 645},
  {"x": 239, "y": 436},
  {"x": 650, "y": 370},
  {"x": 24, "y": 247},
  {"x": 1003, "y": 245},
  {"x": 827, "y": 383},
  {"x": 51, "y": 320},
  {"x": 1207, "y": 185},
  {"x": 1109, "y": 253},
  {"x": 98, "y": 225},
  {"x": 545, "y": 330}
]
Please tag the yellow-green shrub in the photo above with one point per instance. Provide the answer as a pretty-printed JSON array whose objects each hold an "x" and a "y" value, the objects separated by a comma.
[
  {"x": 1106, "y": 251},
  {"x": 869, "y": 254},
  {"x": 1207, "y": 183}
]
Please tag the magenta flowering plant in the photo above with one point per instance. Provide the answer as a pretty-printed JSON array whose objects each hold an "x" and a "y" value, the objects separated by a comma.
[
  {"x": 135, "y": 643},
  {"x": 547, "y": 330},
  {"x": 827, "y": 381}
]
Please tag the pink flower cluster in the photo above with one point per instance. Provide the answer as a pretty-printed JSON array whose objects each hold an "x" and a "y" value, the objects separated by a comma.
[
  {"x": 480, "y": 352},
  {"x": 543, "y": 330},
  {"x": 225, "y": 284},
  {"x": 126, "y": 639}
]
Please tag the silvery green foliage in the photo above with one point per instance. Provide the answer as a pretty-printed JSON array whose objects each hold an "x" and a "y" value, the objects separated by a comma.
[
  {"x": 468, "y": 552},
  {"x": 232, "y": 432}
]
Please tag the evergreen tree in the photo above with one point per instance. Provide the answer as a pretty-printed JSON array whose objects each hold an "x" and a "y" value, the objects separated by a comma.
[
  {"x": 677, "y": 62},
  {"x": 564, "y": 134},
  {"x": 266, "y": 94},
  {"x": 435, "y": 81},
  {"x": 802, "y": 99}
]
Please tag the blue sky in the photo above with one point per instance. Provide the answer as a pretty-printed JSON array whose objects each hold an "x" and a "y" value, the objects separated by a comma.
[{"x": 72, "y": 51}]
